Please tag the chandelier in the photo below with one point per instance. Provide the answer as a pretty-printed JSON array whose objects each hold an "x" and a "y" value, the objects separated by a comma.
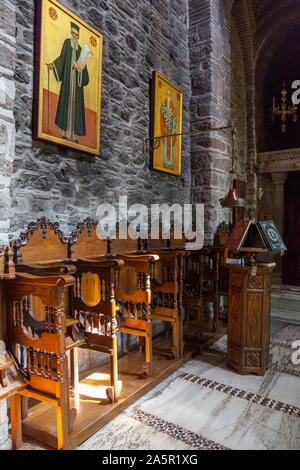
[{"x": 283, "y": 110}]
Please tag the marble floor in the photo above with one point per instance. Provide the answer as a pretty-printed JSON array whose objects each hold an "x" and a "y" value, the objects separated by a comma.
[
  {"x": 285, "y": 303},
  {"x": 205, "y": 405}
]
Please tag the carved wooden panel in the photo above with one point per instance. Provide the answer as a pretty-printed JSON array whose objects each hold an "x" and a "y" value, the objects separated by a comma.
[
  {"x": 90, "y": 288},
  {"x": 236, "y": 279},
  {"x": 85, "y": 240},
  {"x": 158, "y": 272},
  {"x": 253, "y": 359},
  {"x": 128, "y": 282},
  {"x": 254, "y": 319},
  {"x": 249, "y": 320},
  {"x": 234, "y": 354},
  {"x": 235, "y": 319},
  {"x": 124, "y": 246},
  {"x": 256, "y": 282},
  {"x": 42, "y": 241}
]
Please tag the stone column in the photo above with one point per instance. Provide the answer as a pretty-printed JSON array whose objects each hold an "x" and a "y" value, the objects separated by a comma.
[
  {"x": 278, "y": 207},
  {"x": 7, "y": 141}
]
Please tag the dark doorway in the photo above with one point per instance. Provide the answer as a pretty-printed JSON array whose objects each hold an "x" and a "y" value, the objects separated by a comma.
[{"x": 291, "y": 260}]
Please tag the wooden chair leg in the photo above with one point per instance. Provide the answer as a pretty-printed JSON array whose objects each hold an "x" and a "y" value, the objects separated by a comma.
[
  {"x": 199, "y": 321},
  {"x": 64, "y": 415},
  {"x": 24, "y": 407},
  {"x": 175, "y": 345},
  {"x": 141, "y": 344},
  {"x": 16, "y": 421},
  {"x": 180, "y": 336},
  {"x": 114, "y": 391},
  {"x": 187, "y": 316},
  {"x": 216, "y": 315},
  {"x": 62, "y": 426},
  {"x": 147, "y": 368},
  {"x": 74, "y": 368}
]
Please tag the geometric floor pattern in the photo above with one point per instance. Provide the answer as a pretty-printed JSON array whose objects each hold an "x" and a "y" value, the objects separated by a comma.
[{"x": 205, "y": 405}]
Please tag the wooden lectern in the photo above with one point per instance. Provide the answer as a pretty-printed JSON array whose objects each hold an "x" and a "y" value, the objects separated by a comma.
[
  {"x": 249, "y": 297},
  {"x": 249, "y": 319}
]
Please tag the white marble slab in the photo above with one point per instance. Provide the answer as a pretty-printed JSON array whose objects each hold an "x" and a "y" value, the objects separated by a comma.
[
  {"x": 124, "y": 432},
  {"x": 230, "y": 421}
]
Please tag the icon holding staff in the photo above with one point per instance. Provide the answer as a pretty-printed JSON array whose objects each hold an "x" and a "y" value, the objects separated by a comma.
[
  {"x": 71, "y": 71},
  {"x": 67, "y": 79}
]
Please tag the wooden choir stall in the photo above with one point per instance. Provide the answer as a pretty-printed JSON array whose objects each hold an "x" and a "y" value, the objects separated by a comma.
[
  {"x": 70, "y": 297},
  {"x": 74, "y": 293}
]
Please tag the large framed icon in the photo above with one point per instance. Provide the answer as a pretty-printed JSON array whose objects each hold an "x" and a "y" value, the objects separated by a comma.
[
  {"x": 166, "y": 121},
  {"x": 67, "y": 79}
]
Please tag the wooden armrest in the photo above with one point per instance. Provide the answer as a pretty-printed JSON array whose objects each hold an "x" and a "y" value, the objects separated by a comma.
[
  {"x": 50, "y": 263},
  {"x": 167, "y": 251},
  {"x": 139, "y": 256},
  {"x": 45, "y": 278},
  {"x": 102, "y": 260},
  {"x": 44, "y": 269}
]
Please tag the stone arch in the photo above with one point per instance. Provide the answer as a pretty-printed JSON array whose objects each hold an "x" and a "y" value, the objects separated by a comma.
[
  {"x": 271, "y": 28},
  {"x": 271, "y": 32}
]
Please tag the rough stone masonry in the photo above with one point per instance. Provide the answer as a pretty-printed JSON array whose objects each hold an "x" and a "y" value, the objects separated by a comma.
[
  {"x": 196, "y": 44},
  {"x": 67, "y": 186}
]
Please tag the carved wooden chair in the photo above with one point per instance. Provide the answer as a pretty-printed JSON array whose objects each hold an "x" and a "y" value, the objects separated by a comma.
[
  {"x": 221, "y": 239},
  {"x": 38, "y": 344},
  {"x": 40, "y": 328},
  {"x": 133, "y": 294},
  {"x": 167, "y": 288},
  {"x": 131, "y": 281},
  {"x": 191, "y": 287},
  {"x": 93, "y": 299},
  {"x": 193, "y": 293},
  {"x": 211, "y": 278}
]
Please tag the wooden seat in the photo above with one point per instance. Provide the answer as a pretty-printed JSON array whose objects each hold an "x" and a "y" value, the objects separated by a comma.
[
  {"x": 93, "y": 298},
  {"x": 38, "y": 346},
  {"x": 67, "y": 293},
  {"x": 167, "y": 288},
  {"x": 221, "y": 239},
  {"x": 37, "y": 326},
  {"x": 193, "y": 294},
  {"x": 131, "y": 281},
  {"x": 210, "y": 290}
]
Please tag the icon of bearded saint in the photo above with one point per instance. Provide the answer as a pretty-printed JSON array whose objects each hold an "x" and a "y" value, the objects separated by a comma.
[
  {"x": 70, "y": 69},
  {"x": 168, "y": 124}
]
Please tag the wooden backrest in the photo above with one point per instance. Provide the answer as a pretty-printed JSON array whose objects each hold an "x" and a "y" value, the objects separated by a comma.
[
  {"x": 122, "y": 246},
  {"x": 172, "y": 242},
  {"x": 85, "y": 240},
  {"x": 153, "y": 243},
  {"x": 222, "y": 234},
  {"x": 210, "y": 261},
  {"x": 178, "y": 243},
  {"x": 42, "y": 241}
]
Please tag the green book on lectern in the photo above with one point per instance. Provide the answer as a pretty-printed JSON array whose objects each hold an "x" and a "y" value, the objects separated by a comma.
[{"x": 271, "y": 236}]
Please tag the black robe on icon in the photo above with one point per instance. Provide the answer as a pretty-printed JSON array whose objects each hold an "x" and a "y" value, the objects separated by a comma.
[{"x": 70, "y": 114}]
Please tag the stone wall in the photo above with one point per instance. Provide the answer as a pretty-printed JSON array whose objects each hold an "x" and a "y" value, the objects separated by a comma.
[
  {"x": 7, "y": 148},
  {"x": 218, "y": 99},
  {"x": 7, "y": 123},
  {"x": 238, "y": 103},
  {"x": 67, "y": 186}
]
